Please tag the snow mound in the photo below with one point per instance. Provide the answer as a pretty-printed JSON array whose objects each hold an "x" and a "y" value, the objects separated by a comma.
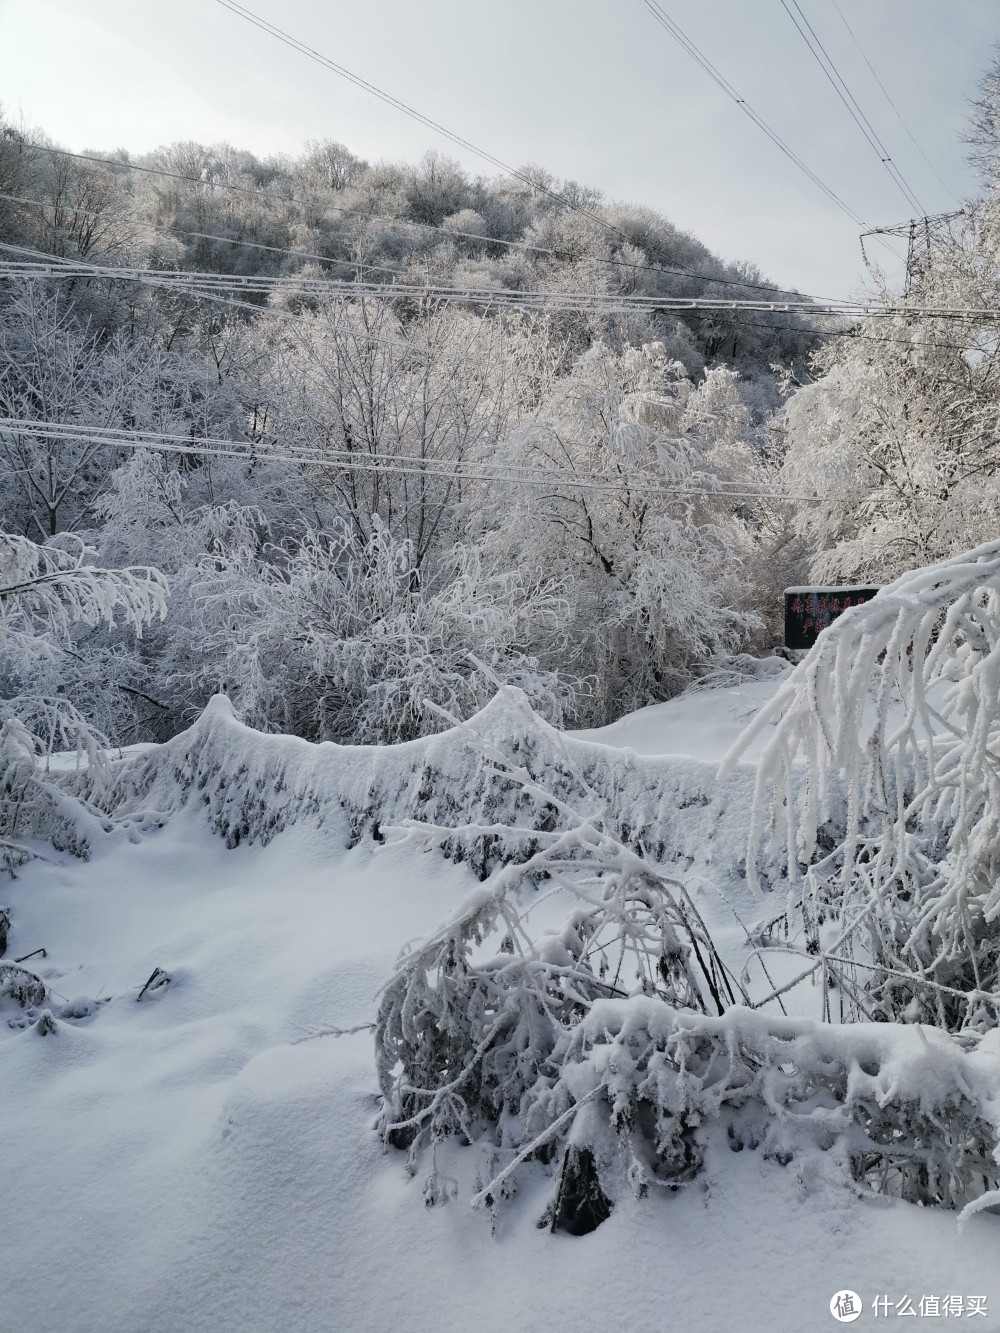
[{"x": 251, "y": 785}]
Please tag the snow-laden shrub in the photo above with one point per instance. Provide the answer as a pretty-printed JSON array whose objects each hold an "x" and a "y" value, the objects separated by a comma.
[
  {"x": 251, "y": 785},
  {"x": 462, "y": 1035},
  {"x": 46, "y": 594},
  {"x": 347, "y": 639},
  {"x": 471, "y": 1026},
  {"x": 897, "y": 706},
  {"x": 526, "y": 1047},
  {"x": 652, "y": 1089}
]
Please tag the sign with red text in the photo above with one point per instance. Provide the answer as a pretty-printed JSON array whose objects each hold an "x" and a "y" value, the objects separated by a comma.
[{"x": 810, "y": 610}]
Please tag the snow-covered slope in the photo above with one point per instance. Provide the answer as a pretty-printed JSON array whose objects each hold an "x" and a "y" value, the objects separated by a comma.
[
  {"x": 203, "y": 1158},
  {"x": 703, "y": 723}
]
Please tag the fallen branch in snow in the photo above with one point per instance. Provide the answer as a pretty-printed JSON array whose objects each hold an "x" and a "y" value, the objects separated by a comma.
[
  {"x": 332, "y": 1032},
  {"x": 489, "y": 1192},
  {"x": 34, "y": 954},
  {"x": 157, "y": 979}
]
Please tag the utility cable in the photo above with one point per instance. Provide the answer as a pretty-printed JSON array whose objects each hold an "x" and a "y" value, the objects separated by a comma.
[
  {"x": 669, "y": 26},
  {"x": 899, "y": 114},
  {"x": 52, "y": 266},
  {"x": 272, "y": 30},
  {"x": 398, "y": 343},
  {"x": 211, "y": 447},
  {"x": 698, "y": 56},
  {"x": 37, "y": 264},
  {"x": 160, "y": 278},
  {"x": 829, "y": 68},
  {"x": 856, "y": 333}
]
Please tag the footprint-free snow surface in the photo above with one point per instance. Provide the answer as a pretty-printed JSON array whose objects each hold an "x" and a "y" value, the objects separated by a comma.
[{"x": 203, "y": 1158}]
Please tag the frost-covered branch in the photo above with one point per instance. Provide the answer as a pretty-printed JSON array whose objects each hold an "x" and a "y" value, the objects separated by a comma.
[
  {"x": 889, "y": 729},
  {"x": 46, "y": 593}
]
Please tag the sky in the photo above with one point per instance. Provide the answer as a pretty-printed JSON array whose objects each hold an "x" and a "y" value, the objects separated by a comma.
[{"x": 593, "y": 90}]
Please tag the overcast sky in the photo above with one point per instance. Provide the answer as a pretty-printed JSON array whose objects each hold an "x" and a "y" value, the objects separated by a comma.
[{"x": 591, "y": 89}]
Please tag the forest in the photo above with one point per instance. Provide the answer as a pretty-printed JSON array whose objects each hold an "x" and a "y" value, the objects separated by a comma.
[{"x": 402, "y": 495}]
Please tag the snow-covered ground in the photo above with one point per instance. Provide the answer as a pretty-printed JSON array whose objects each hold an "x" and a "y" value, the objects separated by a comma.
[
  {"x": 204, "y": 1159},
  {"x": 702, "y": 723}
]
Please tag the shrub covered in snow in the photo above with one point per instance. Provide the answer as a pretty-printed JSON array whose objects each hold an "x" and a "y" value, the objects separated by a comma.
[
  {"x": 461, "y": 1037},
  {"x": 348, "y": 640},
  {"x": 46, "y": 593}
]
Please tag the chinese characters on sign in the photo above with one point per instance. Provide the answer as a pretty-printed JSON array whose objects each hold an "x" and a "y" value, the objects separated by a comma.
[{"x": 809, "y": 610}]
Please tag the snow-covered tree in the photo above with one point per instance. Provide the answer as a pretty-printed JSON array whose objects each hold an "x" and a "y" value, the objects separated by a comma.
[
  {"x": 58, "y": 370},
  {"x": 892, "y": 451},
  {"x": 654, "y": 552},
  {"x": 47, "y": 593},
  {"x": 396, "y": 409},
  {"x": 341, "y": 640}
]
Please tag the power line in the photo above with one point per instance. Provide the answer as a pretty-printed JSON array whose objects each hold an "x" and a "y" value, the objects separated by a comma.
[
  {"x": 38, "y": 264},
  {"x": 161, "y": 278},
  {"x": 273, "y": 31},
  {"x": 52, "y": 266},
  {"x": 699, "y": 57},
  {"x": 345, "y": 460},
  {"x": 855, "y": 334},
  {"x": 821, "y": 55},
  {"x": 703, "y": 312},
  {"x": 807, "y": 331},
  {"x": 669, "y": 26},
  {"x": 885, "y": 92},
  {"x": 306, "y": 254},
  {"x": 585, "y": 302}
]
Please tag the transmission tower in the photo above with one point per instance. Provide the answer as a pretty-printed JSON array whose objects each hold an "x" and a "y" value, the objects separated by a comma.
[{"x": 921, "y": 236}]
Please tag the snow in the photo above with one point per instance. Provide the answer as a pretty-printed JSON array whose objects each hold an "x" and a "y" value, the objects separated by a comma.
[
  {"x": 204, "y": 1159},
  {"x": 699, "y": 724}
]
